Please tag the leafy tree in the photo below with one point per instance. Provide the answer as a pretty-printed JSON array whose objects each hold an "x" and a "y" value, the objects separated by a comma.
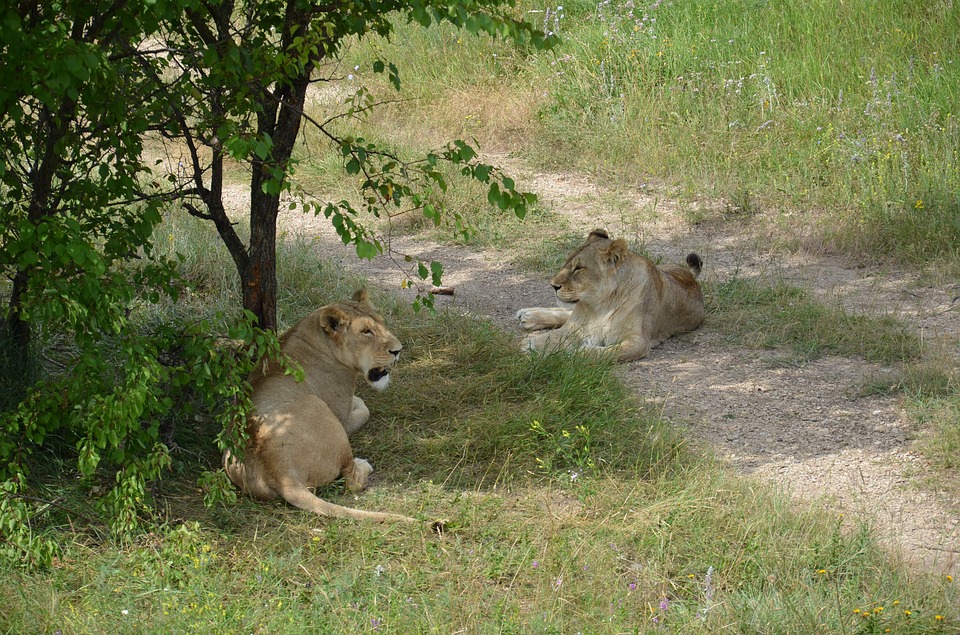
[
  {"x": 75, "y": 227},
  {"x": 235, "y": 78},
  {"x": 87, "y": 82}
]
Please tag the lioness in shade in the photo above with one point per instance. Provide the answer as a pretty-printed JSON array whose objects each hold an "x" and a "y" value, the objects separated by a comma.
[
  {"x": 298, "y": 430},
  {"x": 617, "y": 301}
]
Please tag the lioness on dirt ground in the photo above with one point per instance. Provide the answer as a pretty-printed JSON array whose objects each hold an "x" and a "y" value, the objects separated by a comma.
[
  {"x": 299, "y": 430},
  {"x": 616, "y": 301}
]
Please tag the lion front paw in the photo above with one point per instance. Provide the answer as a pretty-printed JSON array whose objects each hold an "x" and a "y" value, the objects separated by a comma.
[{"x": 523, "y": 317}]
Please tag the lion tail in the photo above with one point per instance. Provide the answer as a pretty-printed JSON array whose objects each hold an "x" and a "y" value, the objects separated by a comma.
[
  {"x": 695, "y": 264},
  {"x": 307, "y": 500}
]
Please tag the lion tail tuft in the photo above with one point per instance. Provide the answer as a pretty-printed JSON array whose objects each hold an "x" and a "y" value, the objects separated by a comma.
[{"x": 695, "y": 264}]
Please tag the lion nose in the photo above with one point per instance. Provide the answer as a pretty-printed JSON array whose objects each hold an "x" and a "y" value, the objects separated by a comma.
[{"x": 556, "y": 287}]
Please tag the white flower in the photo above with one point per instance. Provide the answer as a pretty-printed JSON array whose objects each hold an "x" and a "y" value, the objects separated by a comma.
[
  {"x": 124, "y": 612},
  {"x": 350, "y": 76}
]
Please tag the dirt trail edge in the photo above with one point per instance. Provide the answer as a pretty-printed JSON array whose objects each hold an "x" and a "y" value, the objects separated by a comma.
[{"x": 803, "y": 427}]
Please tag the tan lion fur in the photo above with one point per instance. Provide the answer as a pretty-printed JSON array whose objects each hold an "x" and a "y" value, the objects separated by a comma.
[
  {"x": 622, "y": 303},
  {"x": 299, "y": 430}
]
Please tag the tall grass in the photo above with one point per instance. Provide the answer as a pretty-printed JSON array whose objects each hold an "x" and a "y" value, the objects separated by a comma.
[{"x": 842, "y": 113}]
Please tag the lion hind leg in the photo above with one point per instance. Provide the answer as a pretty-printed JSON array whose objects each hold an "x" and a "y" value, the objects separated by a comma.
[
  {"x": 632, "y": 349},
  {"x": 357, "y": 475},
  {"x": 535, "y": 319},
  {"x": 248, "y": 476}
]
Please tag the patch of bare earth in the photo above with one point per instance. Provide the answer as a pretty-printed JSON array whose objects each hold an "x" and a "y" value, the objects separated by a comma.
[{"x": 805, "y": 427}]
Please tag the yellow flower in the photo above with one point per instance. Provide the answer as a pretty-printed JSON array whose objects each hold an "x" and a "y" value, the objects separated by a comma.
[
  {"x": 907, "y": 613},
  {"x": 939, "y": 618},
  {"x": 821, "y": 572},
  {"x": 918, "y": 204},
  {"x": 691, "y": 576},
  {"x": 879, "y": 609},
  {"x": 896, "y": 602},
  {"x": 857, "y": 611},
  {"x": 949, "y": 578}
]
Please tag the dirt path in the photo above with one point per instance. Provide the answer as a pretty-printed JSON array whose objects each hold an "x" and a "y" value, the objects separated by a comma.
[{"x": 802, "y": 427}]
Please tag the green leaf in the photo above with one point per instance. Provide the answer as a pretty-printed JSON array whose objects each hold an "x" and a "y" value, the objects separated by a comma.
[
  {"x": 436, "y": 271},
  {"x": 367, "y": 250},
  {"x": 482, "y": 172},
  {"x": 28, "y": 258}
]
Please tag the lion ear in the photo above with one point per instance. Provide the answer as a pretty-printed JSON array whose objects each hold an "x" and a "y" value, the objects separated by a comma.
[
  {"x": 332, "y": 319},
  {"x": 616, "y": 252},
  {"x": 360, "y": 295},
  {"x": 598, "y": 234}
]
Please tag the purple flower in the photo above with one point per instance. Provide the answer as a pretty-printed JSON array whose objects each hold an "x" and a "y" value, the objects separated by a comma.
[
  {"x": 375, "y": 623},
  {"x": 632, "y": 586},
  {"x": 535, "y": 564},
  {"x": 664, "y": 604}
]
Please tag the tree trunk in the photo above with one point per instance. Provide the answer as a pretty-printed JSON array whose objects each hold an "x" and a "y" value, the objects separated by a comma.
[
  {"x": 259, "y": 277},
  {"x": 280, "y": 118},
  {"x": 18, "y": 331}
]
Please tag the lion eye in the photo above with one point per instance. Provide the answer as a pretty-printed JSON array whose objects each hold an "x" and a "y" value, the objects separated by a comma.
[
  {"x": 577, "y": 268},
  {"x": 367, "y": 332}
]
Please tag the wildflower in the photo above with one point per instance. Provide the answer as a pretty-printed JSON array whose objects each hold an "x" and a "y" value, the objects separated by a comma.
[
  {"x": 918, "y": 204},
  {"x": 856, "y": 611},
  {"x": 375, "y": 623},
  {"x": 908, "y": 613},
  {"x": 535, "y": 564},
  {"x": 878, "y": 610},
  {"x": 822, "y": 572},
  {"x": 664, "y": 604},
  {"x": 939, "y": 618},
  {"x": 124, "y": 612},
  {"x": 632, "y": 586},
  {"x": 559, "y": 582},
  {"x": 692, "y": 576},
  {"x": 379, "y": 570},
  {"x": 949, "y": 578}
]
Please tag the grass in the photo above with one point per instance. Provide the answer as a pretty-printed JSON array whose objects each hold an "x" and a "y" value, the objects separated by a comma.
[
  {"x": 843, "y": 115},
  {"x": 569, "y": 506},
  {"x": 785, "y": 316}
]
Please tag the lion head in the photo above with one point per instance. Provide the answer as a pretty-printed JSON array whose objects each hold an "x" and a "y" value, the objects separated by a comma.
[
  {"x": 590, "y": 273},
  {"x": 361, "y": 339}
]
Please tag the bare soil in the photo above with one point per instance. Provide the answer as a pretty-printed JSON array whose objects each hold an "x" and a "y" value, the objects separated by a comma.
[{"x": 805, "y": 428}]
